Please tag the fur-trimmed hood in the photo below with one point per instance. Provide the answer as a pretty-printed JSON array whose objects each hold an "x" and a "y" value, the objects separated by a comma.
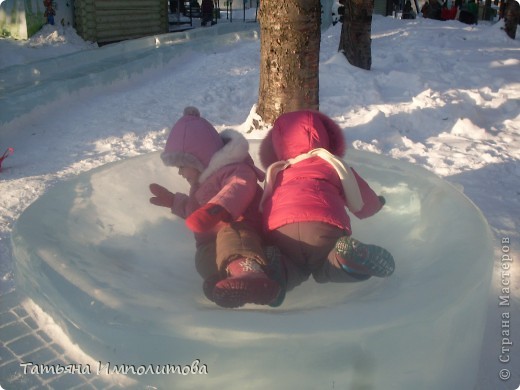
[
  {"x": 299, "y": 132},
  {"x": 235, "y": 150}
]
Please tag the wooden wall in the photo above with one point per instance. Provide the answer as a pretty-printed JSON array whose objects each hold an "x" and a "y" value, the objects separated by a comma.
[{"x": 106, "y": 21}]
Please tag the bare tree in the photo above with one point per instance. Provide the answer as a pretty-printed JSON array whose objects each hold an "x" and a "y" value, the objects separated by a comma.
[
  {"x": 355, "y": 41},
  {"x": 289, "y": 56}
]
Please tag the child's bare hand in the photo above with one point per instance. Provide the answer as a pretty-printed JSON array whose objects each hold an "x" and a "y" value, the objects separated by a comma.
[{"x": 162, "y": 197}]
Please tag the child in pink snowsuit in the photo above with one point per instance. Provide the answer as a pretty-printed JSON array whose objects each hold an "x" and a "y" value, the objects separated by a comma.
[
  {"x": 221, "y": 209},
  {"x": 307, "y": 189}
]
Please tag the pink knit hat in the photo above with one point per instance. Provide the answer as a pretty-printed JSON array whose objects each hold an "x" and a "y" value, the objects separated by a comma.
[{"x": 192, "y": 142}]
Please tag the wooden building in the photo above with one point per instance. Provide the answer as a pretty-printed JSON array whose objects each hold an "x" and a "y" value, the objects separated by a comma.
[{"x": 105, "y": 21}]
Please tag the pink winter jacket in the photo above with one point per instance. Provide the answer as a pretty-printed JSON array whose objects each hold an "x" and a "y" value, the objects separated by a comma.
[
  {"x": 228, "y": 177},
  {"x": 309, "y": 190},
  {"x": 233, "y": 187}
]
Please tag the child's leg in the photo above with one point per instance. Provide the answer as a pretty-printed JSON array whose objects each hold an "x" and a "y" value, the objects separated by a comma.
[
  {"x": 205, "y": 263},
  {"x": 238, "y": 240},
  {"x": 206, "y": 267},
  {"x": 240, "y": 257},
  {"x": 311, "y": 248},
  {"x": 308, "y": 245},
  {"x": 294, "y": 247}
]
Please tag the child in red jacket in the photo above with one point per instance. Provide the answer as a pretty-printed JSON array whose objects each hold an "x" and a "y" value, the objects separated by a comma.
[{"x": 307, "y": 189}]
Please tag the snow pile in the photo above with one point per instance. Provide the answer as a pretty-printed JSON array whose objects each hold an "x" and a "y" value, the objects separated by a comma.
[
  {"x": 57, "y": 36},
  {"x": 50, "y": 41}
]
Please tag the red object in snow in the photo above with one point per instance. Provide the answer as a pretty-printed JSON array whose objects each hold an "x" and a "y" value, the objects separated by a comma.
[{"x": 6, "y": 154}]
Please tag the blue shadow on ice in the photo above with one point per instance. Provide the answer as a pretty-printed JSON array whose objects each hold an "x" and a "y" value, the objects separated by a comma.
[{"x": 117, "y": 275}]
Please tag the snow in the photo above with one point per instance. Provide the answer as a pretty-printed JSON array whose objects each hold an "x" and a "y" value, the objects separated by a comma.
[
  {"x": 50, "y": 41},
  {"x": 443, "y": 96}
]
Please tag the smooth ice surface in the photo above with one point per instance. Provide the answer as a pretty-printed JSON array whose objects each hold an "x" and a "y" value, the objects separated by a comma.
[{"x": 117, "y": 274}]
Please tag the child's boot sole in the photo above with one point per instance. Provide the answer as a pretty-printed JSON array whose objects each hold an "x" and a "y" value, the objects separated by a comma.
[
  {"x": 236, "y": 292},
  {"x": 359, "y": 258}
]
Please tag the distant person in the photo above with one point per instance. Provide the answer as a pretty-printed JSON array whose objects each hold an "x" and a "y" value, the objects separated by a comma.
[
  {"x": 449, "y": 13},
  {"x": 511, "y": 18},
  {"x": 177, "y": 6},
  {"x": 501, "y": 9},
  {"x": 396, "y": 7},
  {"x": 49, "y": 12},
  {"x": 469, "y": 12},
  {"x": 433, "y": 10},
  {"x": 424, "y": 9},
  {"x": 221, "y": 209},
  {"x": 307, "y": 191},
  {"x": 407, "y": 11},
  {"x": 207, "y": 12}
]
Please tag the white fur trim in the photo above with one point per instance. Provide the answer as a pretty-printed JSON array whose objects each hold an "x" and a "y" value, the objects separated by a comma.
[
  {"x": 178, "y": 159},
  {"x": 235, "y": 150}
]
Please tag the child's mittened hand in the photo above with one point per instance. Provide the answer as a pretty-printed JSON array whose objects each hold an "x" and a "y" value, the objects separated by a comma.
[
  {"x": 382, "y": 200},
  {"x": 206, "y": 217},
  {"x": 162, "y": 197}
]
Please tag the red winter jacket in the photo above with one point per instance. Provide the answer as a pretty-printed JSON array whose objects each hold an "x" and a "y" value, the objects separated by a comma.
[{"x": 309, "y": 190}]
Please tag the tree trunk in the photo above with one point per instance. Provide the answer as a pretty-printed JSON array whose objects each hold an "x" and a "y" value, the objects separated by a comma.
[
  {"x": 289, "y": 57},
  {"x": 355, "y": 41},
  {"x": 511, "y": 18}
]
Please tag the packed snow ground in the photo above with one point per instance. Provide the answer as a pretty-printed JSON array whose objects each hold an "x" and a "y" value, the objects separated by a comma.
[{"x": 443, "y": 95}]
